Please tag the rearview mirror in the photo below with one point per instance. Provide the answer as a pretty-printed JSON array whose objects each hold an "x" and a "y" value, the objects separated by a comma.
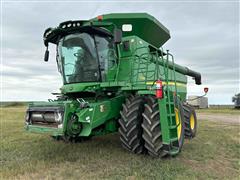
[
  {"x": 46, "y": 55},
  {"x": 117, "y": 36}
]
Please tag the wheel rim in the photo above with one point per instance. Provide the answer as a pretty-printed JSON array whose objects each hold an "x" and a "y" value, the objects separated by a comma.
[
  {"x": 178, "y": 123},
  {"x": 192, "y": 122}
]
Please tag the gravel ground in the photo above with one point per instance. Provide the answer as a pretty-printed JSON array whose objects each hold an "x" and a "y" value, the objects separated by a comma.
[{"x": 225, "y": 118}]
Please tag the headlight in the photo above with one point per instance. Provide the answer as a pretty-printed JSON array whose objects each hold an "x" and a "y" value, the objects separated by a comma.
[{"x": 58, "y": 117}]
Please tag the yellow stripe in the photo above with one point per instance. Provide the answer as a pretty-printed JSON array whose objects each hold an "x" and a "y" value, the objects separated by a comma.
[{"x": 171, "y": 83}]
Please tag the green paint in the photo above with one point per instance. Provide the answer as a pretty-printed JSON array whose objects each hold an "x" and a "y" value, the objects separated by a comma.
[
  {"x": 132, "y": 66},
  {"x": 150, "y": 34}
]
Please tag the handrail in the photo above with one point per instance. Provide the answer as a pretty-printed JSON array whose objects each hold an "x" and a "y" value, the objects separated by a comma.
[{"x": 151, "y": 57}]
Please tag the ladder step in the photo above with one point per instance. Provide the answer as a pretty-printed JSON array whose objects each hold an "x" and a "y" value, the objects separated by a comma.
[
  {"x": 174, "y": 151},
  {"x": 173, "y": 127},
  {"x": 174, "y": 139},
  {"x": 171, "y": 114}
]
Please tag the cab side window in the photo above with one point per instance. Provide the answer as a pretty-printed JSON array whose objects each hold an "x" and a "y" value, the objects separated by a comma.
[{"x": 106, "y": 53}]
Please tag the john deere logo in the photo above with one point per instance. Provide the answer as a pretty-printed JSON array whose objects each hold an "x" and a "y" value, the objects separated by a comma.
[{"x": 102, "y": 108}]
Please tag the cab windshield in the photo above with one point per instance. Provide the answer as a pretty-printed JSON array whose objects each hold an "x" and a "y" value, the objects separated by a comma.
[{"x": 83, "y": 57}]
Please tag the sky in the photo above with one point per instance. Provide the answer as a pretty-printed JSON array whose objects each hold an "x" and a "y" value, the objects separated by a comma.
[{"x": 204, "y": 37}]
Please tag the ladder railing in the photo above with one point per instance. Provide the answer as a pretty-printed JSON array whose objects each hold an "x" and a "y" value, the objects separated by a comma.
[
  {"x": 173, "y": 106},
  {"x": 145, "y": 67}
]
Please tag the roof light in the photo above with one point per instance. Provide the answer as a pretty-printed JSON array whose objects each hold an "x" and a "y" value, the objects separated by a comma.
[
  {"x": 100, "y": 18},
  {"x": 127, "y": 27}
]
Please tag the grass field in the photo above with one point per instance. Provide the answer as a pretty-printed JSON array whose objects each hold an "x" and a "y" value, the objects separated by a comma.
[
  {"x": 220, "y": 110},
  {"x": 214, "y": 153}
]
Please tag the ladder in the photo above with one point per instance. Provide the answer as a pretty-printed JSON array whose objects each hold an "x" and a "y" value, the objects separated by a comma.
[{"x": 167, "y": 107}]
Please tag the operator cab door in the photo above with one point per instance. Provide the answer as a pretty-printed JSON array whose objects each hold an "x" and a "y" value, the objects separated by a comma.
[{"x": 107, "y": 57}]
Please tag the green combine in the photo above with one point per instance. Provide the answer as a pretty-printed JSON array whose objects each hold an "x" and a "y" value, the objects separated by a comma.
[{"x": 117, "y": 78}]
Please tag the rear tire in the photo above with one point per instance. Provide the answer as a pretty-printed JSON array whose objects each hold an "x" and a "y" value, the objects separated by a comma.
[
  {"x": 130, "y": 124},
  {"x": 190, "y": 121},
  {"x": 152, "y": 128}
]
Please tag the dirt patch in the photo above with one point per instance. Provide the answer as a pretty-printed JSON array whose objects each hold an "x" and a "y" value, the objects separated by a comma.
[{"x": 225, "y": 118}]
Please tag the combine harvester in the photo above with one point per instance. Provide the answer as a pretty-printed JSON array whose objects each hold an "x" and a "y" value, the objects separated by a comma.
[
  {"x": 236, "y": 100},
  {"x": 117, "y": 77}
]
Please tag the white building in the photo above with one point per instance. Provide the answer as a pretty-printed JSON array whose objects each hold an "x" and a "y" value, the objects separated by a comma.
[{"x": 198, "y": 101}]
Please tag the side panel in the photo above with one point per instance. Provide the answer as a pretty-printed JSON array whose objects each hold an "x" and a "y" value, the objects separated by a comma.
[
  {"x": 163, "y": 121},
  {"x": 99, "y": 113}
]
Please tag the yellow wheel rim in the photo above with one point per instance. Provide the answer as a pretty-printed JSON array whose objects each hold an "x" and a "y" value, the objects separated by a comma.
[
  {"x": 192, "y": 121},
  {"x": 178, "y": 123}
]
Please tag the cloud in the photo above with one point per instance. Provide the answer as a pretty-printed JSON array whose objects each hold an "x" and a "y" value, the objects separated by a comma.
[{"x": 204, "y": 37}]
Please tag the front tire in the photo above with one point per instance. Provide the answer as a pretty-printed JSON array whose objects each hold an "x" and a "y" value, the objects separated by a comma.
[
  {"x": 152, "y": 128},
  {"x": 130, "y": 124},
  {"x": 190, "y": 121}
]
